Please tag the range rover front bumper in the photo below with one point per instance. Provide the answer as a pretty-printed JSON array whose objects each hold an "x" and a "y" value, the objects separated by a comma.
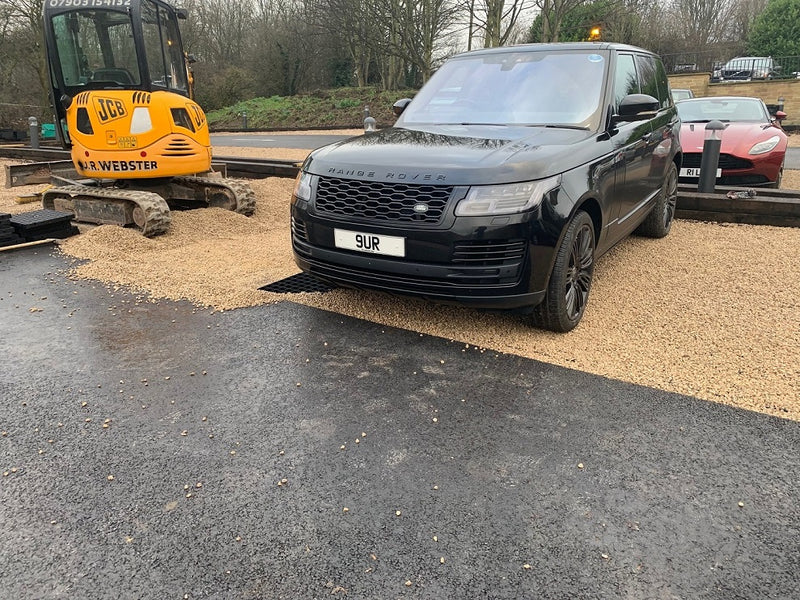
[{"x": 487, "y": 262}]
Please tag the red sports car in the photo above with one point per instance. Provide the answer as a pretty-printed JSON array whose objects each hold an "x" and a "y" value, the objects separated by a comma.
[{"x": 753, "y": 142}]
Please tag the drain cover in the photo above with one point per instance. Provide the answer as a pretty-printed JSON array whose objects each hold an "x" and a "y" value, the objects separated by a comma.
[{"x": 302, "y": 282}]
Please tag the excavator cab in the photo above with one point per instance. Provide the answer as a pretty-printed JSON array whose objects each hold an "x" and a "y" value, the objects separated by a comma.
[
  {"x": 120, "y": 88},
  {"x": 122, "y": 94}
]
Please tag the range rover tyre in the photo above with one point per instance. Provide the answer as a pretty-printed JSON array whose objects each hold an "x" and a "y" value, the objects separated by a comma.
[
  {"x": 658, "y": 223},
  {"x": 571, "y": 279}
]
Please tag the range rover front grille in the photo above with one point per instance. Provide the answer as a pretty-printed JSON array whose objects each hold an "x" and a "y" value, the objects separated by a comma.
[{"x": 392, "y": 202}]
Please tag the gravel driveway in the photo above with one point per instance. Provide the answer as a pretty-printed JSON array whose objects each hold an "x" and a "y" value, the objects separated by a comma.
[{"x": 712, "y": 311}]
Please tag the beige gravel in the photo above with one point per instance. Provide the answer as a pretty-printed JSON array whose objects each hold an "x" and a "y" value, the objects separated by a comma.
[{"x": 713, "y": 310}]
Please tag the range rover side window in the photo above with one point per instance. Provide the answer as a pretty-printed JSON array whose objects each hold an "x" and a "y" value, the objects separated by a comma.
[
  {"x": 625, "y": 79},
  {"x": 648, "y": 77},
  {"x": 664, "y": 96}
]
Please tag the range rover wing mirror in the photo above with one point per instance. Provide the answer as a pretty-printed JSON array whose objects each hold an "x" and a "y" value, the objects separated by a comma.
[
  {"x": 636, "y": 107},
  {"x": 399, "y": 106}
]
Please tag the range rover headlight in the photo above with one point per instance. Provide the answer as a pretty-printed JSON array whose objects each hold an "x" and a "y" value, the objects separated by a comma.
[
  {"x": 765, "y": 146},
  {"x": 510, "y": 198},
  {"x": 302, "y": 186}
]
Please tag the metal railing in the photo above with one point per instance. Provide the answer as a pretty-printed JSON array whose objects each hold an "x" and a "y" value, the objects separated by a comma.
[{"x": 733, "y": 68}]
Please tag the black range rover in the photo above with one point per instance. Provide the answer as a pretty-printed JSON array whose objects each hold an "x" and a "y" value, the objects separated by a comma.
[{"x": 501, "y": 182}]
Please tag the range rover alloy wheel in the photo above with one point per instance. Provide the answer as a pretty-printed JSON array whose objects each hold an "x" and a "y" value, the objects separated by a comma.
[
  {"x": 658, "y": 223},
  {"x": 571, "y": 279}
]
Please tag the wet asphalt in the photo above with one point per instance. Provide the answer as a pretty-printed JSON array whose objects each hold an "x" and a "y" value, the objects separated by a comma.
[{"x": 157, "y": 450}]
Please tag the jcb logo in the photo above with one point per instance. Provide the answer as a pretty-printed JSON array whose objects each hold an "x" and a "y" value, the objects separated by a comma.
[
  {"x": 197, "y": 115},
  {"x": 109, "y": 109}
]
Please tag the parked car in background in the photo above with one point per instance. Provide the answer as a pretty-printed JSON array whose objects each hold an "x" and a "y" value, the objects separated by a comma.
[
  {"x": 747, "y": 68},
  {"x": 493, "y": 190},
  {"x": 753, "y": 143},
  {"x": 681, "y": 94}
]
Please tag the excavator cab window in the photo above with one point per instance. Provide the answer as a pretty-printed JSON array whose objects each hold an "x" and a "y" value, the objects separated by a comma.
[
  {"x": 130, "y": 44},
  {"x": 96, "y": 47},
  {"x": 165, "y": 58}
]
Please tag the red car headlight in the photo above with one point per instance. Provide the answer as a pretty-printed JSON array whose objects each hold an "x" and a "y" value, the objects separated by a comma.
[{"x": 765, "y": 146}]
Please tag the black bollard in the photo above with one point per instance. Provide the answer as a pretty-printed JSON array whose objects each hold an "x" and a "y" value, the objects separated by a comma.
[{"x": 710, "y": 157}]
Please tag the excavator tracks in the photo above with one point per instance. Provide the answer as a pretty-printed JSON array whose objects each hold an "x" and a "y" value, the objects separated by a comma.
[
  {"x": 231, "y": 194},
  {"x": 145, "y": 211},
  {"x": 149, "y": 211}
]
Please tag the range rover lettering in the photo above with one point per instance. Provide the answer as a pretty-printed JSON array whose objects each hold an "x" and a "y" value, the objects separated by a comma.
[{"x": 501, "y": 182}]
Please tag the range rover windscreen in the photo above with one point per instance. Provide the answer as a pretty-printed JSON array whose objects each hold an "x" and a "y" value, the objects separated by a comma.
[{"x": 516, "y": 88}]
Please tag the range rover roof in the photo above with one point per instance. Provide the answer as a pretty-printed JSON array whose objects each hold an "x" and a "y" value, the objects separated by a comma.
[{"x": 558, "y": 46}]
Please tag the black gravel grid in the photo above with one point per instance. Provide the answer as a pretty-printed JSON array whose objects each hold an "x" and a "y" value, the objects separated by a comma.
[{"x": 529, "y": 480}]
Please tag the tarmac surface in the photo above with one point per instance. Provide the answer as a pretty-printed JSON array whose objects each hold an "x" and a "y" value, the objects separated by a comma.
[
  {"x": 303, "y": 141},
  {"x": 311, "y": 141},
  {"x": 157, "y": 450},
  {"x": 792, "y": 160}
]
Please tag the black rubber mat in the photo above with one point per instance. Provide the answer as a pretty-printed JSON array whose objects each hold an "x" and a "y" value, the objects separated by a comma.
[
  {"x": 60, "y": 233},
  {"x": 296, "y": 284},
  {"x": 11, "y": 241},
  {"x": 6, "y": 237},
  {"x": 49, "y": 230},
  {"x": 43, "y": 224},
  {"x": 40, "y": 218}
]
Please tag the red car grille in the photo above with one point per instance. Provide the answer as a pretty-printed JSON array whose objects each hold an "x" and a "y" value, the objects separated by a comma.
[{"x": 691, "y": 160}]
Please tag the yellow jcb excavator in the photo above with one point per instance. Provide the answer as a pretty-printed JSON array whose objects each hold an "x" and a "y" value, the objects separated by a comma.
[{"x": 122, "y": 93}]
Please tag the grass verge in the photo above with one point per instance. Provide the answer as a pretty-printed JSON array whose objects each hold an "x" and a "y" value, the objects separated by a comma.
[{"x": 340, "y": 107}]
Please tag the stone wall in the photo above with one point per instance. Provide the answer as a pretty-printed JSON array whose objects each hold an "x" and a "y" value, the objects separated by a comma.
[{"x": 768, "y": 91}]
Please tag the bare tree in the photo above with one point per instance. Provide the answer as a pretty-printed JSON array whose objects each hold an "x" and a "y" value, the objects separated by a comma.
[
  {"x": 266, "y": 47},
  {"x": 227, "y": 28},
  {"x": 493, "y": 20},
  {"x": 431, "y": 20},
  {"x": 353, "y": 20},
  {"x": 552, "y": 13},
  {"x": 699, "y": 23},
  {"x": 744, "y": 15},
  {"x": 22, "y": 57},
  {"x": 417, "y": 35}
]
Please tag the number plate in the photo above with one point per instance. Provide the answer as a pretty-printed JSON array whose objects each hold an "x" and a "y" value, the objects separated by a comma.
[
  {"x": 695, "y": 172},
  {"x": 371, "y": 243}
]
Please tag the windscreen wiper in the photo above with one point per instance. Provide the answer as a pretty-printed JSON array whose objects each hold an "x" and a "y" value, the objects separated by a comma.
[{"x": 557, "y": 126}]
